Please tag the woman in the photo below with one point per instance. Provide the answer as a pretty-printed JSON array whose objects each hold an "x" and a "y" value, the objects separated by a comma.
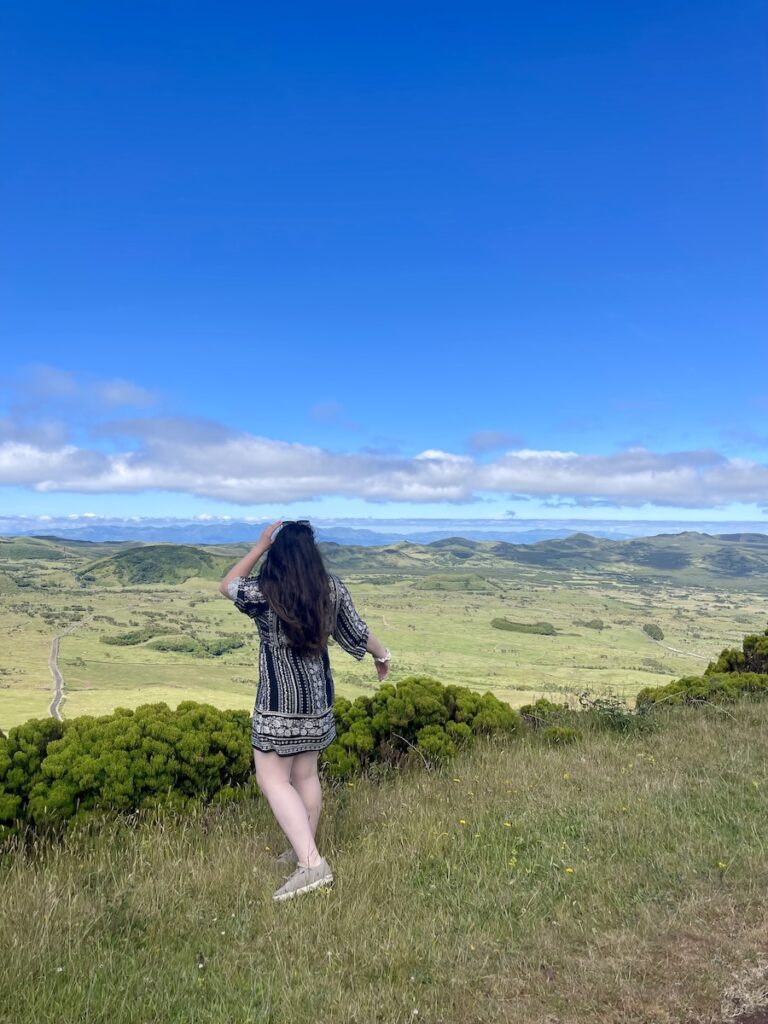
[{"x": 296, "y": 605}]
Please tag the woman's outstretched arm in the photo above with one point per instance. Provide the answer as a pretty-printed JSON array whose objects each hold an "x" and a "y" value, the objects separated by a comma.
[
  {"x": 375, "y": 647},
  {"x": 247, "y": 562}
]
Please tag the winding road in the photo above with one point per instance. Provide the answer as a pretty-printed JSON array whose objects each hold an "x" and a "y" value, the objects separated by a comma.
[{"x": 58, "y": 678}]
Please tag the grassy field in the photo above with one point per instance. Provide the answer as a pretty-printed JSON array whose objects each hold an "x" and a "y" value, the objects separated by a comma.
[
  {"x": 621, "y": 880},
  {"x": 435, "y": 623}
]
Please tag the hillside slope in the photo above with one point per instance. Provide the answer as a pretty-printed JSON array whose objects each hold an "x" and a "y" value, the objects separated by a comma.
[
  {"x": 622, "y": 878},
  {"x": 690, "y": 559}
]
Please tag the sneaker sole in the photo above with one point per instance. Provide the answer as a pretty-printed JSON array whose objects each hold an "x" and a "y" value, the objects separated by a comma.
[{"x": 329, "y": 881}]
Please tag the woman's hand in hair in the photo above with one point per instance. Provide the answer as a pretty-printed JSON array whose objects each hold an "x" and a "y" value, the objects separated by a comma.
[{"x": 266, "y": 539}]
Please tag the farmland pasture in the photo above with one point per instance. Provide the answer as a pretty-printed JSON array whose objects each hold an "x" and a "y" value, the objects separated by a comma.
[{"x": 436, "y": 623}]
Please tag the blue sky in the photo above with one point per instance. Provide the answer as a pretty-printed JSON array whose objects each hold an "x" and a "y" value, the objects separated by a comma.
[{"x": 385, "y": 260}]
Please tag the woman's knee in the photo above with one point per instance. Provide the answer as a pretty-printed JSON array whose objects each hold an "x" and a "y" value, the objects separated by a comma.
[{"x": 271, "y": 769}]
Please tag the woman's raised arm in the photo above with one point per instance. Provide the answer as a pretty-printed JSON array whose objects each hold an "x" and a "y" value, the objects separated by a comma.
[{"x": 247, "y": 562}]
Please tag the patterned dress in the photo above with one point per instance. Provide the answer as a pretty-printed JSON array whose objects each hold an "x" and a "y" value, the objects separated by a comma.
[{"x": 293, "y": 711}]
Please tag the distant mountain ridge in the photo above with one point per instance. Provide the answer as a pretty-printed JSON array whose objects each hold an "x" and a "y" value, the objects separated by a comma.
[
  {"x": 239, "y": 533},
  {"x": 687, "y": 558}
]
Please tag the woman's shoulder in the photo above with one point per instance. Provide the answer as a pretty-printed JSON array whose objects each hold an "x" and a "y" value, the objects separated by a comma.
[
  {"x": 250, "y": 587},
  {"x": 336, "y": 584}
]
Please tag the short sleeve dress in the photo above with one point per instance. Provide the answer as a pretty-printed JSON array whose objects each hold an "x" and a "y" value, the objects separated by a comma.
[{"x": 293, "y": 711}]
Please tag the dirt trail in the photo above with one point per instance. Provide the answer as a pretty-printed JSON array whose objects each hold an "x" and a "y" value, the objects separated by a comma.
[
  {"x": 688, "y": 654},
  {"x": 58, "y": 678}
]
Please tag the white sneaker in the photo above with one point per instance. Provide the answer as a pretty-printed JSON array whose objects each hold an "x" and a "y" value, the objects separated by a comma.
[{"x": 304, "y": 879}]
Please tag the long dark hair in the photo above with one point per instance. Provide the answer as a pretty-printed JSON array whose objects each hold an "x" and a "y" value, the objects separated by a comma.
[{"x": 294, "y": 581}]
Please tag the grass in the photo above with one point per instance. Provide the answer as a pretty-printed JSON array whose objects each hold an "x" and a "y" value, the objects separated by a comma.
[
  {"x": 443, "y": 633},
  {"x": 620, "y": 880}
]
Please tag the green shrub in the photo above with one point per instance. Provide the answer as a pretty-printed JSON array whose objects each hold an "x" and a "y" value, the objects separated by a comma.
[
  {"x": 736, "y": 672},
  {"x": 178, "y": 645},
  {"x": 612, "y": 713},
  {"x": 654, "y": 632},
  {"x": 559, "y": 735},
  {"x": 418, "y": 716},
  {"x": 715, "y": 688},
  {"x": 753, "y": 657},
  {"x": 222, "y": 644},
  {"x": 213, "y": 648},
  {"x": 135, "y": 636},
  {"x": 128, "y": 760},
  {"x": 544, "y": 628},
  {"x": 22, "y": 754},
  {"x": 544, "y": 712}
]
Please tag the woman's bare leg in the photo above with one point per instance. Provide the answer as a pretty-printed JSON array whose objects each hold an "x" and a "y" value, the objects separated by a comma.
[
  {"x": 273, "y": 777},
  {"x": 305, "y": 779}
]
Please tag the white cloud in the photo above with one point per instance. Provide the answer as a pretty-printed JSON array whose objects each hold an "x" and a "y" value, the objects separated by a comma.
[
  {"x": 205, "y": 458},
  {"x": 210, "y": 461}
]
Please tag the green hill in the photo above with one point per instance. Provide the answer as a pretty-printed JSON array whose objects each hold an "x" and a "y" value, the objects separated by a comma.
[
  {"x": 22, "y": 548},
  {"x": 689, "y": 559},
  {"x": 156, "y": 563}
]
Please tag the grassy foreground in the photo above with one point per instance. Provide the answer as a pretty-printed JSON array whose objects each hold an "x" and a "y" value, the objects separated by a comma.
[{"x": 619, "y": 879}]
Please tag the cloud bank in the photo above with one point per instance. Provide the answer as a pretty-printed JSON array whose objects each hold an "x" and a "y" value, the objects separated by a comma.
[
  {"x": 210, "y": 461},
  {"x": 201, "y": 457}
]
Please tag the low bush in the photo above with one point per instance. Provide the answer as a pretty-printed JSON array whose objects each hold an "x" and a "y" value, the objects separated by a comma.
[
  {"x": 544, "y": 628},
  {"x": 653, "y": 631},
  {"x": 753, "y": 657},
  {"x": 417, "y": 718},
  {"x": 733, "y": 674},
  {"x": 612, "y": 713},
  {"x": 717, "y": 688},
  {"x": 544, "y": 712},
  {"x": 559, "y": 735},
  {"x": 54, "y": 772},
  {"x": 135, "y": 636},
  {"x": 213, "y": 648}
]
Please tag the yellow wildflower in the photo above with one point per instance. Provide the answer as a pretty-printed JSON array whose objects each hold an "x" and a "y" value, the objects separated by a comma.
[
  {"x": 508, "y": 824},
  {"x": 462, "y": 822},
  {"x": 569, "y": 871},
  {"x": 566, "y": 775}
]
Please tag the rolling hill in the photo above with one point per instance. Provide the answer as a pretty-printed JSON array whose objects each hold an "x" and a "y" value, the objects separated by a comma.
[{"x": 689, "y": 558}]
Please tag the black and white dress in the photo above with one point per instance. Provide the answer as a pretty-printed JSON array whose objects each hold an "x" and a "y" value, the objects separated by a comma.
[{"x": 293, "y": 711}]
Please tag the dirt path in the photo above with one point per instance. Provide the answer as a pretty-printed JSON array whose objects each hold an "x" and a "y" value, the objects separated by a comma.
[
  {"x": 58, "y": 678},
  {"x": 688, "y": 654}
]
